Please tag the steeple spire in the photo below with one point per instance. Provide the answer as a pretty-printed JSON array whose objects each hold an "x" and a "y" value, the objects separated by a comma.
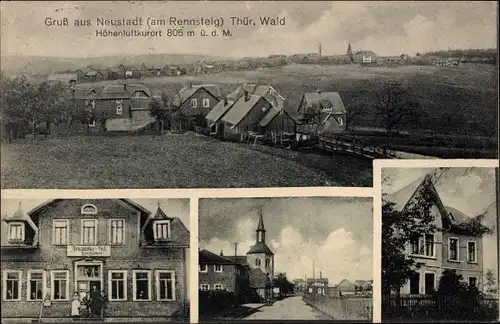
[{"x": 261, "y": 232}]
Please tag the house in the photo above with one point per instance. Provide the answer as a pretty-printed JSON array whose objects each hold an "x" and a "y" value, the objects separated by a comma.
[
  {"x": 94, "y": 75},
  {"x": 365, "y": 57},
  {"x": 277, "y": 124},
  {"x": 115, "y": 73},
  {"x": 363, "y": 286},
  {"x": 195, "y": 102},
  {"x": 316, "y": 286},
  {"x": 299, "y": 286},
  {"x": 258, "y": 262},
  {"x": 84, "y": 99},
  {"x": 321, "y": 113},
  {"x": 219, "y": 273},
  {"x": 453, "y": 247},
  {"x": 345, "y": 287},
  {"x": 67, "y": 78},
  {"x": 124, "y": 107},
  {"x": 70, "y": 246},
  {"x": 243, "y": 109}
]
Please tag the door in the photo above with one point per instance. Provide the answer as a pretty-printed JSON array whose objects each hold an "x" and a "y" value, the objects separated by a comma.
[
  {"x": 88, "y": 277},
  {"x": 415, "y": 283},
  {"x": 430, "y": 279}
]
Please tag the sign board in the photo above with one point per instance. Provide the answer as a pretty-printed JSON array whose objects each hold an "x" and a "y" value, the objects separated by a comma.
[{"x": 89, "y": 250}]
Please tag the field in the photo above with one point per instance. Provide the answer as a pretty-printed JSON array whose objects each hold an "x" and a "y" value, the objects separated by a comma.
[
  {"x": 455, "y": 100},
  {"x": 168, "y": 161}
]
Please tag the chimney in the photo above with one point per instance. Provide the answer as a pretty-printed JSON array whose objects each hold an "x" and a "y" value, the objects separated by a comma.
[
  {"x": 189, "y": 85},
  {"x": 125, "y": 86},
  {"x": 320, "y": 274},
  {"x": 225, "y": 101},
  {"x": 247, "y": 96},
  {"x": 221, "y": 253}
]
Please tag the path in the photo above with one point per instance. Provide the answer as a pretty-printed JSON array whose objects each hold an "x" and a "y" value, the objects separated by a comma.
[{"x": 293, "y": 308}]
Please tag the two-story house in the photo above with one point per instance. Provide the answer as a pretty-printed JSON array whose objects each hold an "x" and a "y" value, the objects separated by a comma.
[
  {"x": 68, "y": 247},
  {"x": 255, "y": 268},
  {"x": 452, "y": 246},
  {"x": 321, "y": 113},
  {"x": 316, "y": 286},
  {"x": 194, "y": 102}
]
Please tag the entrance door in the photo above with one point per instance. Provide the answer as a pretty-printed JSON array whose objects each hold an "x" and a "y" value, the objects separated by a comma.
[
  {"x": 88, "y": 276},
  {"x": 415, "y": 283},
  {"x": 429, "y": 283}
]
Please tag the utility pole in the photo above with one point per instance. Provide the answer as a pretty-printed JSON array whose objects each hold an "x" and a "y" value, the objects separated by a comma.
[
  {"x": 235, "y": 274},
  {"x": 497, "y": 178}
]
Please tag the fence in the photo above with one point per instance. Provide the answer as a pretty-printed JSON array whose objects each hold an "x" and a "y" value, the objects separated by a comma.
[
  {"x": 342, "y": 308},
  {"x": 454, "y": 307},
  {"x": 353, "y": 147}
]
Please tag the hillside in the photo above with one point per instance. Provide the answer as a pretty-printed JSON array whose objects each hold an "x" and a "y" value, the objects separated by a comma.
[{"x": 34, "y": 65}]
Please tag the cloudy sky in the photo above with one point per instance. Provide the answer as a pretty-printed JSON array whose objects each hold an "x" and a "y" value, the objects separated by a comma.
[
  {"x": 387, "y": 28},
  {"x": 470, "y": 190},
  {"x": 335, "y": 233}
]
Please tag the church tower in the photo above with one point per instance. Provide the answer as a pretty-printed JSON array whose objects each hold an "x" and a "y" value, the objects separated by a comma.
[{"x": 260, "y": 255}]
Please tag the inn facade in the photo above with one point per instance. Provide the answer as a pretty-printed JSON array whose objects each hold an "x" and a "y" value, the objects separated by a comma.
[{"x": 71, "y": 246}]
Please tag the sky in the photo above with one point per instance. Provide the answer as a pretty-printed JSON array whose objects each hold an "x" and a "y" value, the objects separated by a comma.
[
  {"x": 336, "y": 233},
  {"x": 385, "y": 27},
  {"x": 470, "y": 190}
]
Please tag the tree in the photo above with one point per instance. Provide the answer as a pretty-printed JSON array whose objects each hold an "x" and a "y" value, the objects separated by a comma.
[
  {"x": 399, "y": 228},
  {"x": 394, "y": 106},
  {"x": 451, "y": 283},
  {"x": 490, "y": 282},
  {"x": 159, "y": 109},
  {"x": 283, "y": 284}
]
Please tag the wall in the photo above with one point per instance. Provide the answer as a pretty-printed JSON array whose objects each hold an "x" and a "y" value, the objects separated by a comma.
[
  {"x": 250, "y": 121},
  {"x": 129, "y": 256},
  {"x": 226, "y": 277},
  {"x": 343, "y": 308},
  {"x": 108, "y": 108},
  {"x": 199, "y": 110},
  {"x": 281, "y": 123}
]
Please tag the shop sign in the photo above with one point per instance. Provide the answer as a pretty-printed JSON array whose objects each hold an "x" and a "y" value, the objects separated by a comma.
[{"x": 86, "y": 250}]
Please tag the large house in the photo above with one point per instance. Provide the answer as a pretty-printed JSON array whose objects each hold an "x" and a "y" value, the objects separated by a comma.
[
  {"x": 195, "y": 101},
  {"x": 316, "y": 286},
  {"x": 255, "y": 269},
  {"x": 453, "y": 247},
  {"x": 67, "y": 247},
  {"x": 321, "y": 113},
  {"x": 250, "y": 108}
]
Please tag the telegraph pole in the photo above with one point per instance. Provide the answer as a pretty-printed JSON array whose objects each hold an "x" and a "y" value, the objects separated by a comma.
[{"x": 235, "y": 273}]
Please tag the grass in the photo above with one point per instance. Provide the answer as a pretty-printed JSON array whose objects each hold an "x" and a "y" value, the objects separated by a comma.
[{"x": 169, "y": 161}]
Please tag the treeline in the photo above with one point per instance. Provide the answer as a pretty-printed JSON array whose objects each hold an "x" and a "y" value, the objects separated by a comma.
[
  {"x": 28, "y": 107},
  {"x": 469, "y": 53}
]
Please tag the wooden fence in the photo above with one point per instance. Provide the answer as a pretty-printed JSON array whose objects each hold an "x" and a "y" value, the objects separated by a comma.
[
  {"x": 353, "y": 147},
  {"x": 359, "y": 308},
  {"x": 455, "y": 307}
]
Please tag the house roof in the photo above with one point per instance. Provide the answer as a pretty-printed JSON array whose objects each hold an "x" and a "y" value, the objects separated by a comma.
[
  {"x": 240, "y": 109},
  {"x": 187, "y": 92},
  {"x": 125, "y": 90},
  {"x": 367, "y": 53},
  {"x": 240, "y": 259},
  {"x": 331, "y": 125},
  {"x": 325, "y": 100},
  {"x": 207, "y": 257},
  {"x": 345, "y": 283},
  {"x": 273, "y": 112},
  {"x": 66, "y": 77},
  {"x": 83, "y": 93},
  {"x": 219, "y": 110},
  {"x": 254, "y": 88},
  {"x": 260, "y": 247}
]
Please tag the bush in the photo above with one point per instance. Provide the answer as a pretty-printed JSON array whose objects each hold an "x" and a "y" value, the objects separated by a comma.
[{"x": 214, "y": 301}]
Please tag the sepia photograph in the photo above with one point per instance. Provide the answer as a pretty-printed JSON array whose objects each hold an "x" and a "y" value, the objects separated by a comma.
[
  {"x": 300, "y": 258},
  {"x": 241, "y": 94},
  {"x": 95, "y": 260},
  {"x": 440, "y": 256}
]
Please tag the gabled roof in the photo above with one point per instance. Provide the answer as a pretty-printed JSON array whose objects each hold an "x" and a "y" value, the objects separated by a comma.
[
  {"x": 240, "y": 259},
  {"x": 124, "y": 91},
  {"x": 241, "y": 108},
  {"x": 344, "y": 283},
  {"x": 260, "y": 247},
  {"x": 254, "y": 88},
  {"x": 66, "y": 77},
  {"x": 84, "y": 93},
  {"x": 219, "y": 110},
  {"x": 330, "y": 125},
  {"x": 324, "y": 100},
  {"x": 188, "y": 91},
  {"x": 273, "y": 112},
  {"x": 207, "y": 257}
]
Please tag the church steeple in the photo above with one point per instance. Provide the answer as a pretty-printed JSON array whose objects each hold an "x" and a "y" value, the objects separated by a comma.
[{"x": 261, "y": 232}]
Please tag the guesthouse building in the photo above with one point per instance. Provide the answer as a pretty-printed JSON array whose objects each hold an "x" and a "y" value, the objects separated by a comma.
[{"x": 68, "y": 247}]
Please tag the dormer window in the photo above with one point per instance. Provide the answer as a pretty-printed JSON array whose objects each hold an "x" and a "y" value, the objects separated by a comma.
[
  {"x": 89, "y": 209},
  {"x": 162, "y": 230},
  {"x": 16, "y": 232},
  {"x": 341, "y": 121}
]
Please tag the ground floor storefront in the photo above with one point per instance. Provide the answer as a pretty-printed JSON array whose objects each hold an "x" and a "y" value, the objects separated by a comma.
[{"x": 133, "y": 288}]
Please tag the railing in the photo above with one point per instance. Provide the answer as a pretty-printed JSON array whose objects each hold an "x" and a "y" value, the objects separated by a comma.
[
  {"x": 354, "y": 148},
  {"x": 342, "y": 308}
]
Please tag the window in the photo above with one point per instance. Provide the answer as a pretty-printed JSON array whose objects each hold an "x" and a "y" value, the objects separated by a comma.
[
  {"x": 257, "y": 262},
  {"x": 142, "y": 285},
  {"x": 341, "y": 121},
  {"x": 92, "y": 103},
  {"x": 218, "y": 268},
  {"x": 165, "y": 285},
  {"x": 162, "y": 230},
  {"x": 268, "y": 262},
  {"x": 203, "y": 268},
  {"x": 117, "y": 285},
  {"x": 36, "y": 279},
  {"x": 423, "y": 246},
  {"x": 16, "y": 232},
  {"x": 116, "y": 231},
  {"x": 88, "y": 209},
  {"x": 471, "y": 251},
  {"x": 204, "y": 287},
  {"x": 59, "y": 287},
  {"x": 119, "y": 101},
  {"x": 259, "y": 236},
  {"x": 92, "y": 124},
  {"x": 12, "y": 285},
  {"x": 194, "y": 103},
  {"x": 453, "y": 249},
  {"x": 119, "y": 109},
  {"x": 89, "y": 231},
  {"x": 206, "y": 103},
  {"x": 472, "y": 281},
  {"x": 219, "y": 287},
  {"x": 60, "y": 232}
]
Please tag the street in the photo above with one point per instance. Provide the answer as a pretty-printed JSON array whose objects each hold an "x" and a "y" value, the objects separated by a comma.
[{"x": 293, "y": 308}]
